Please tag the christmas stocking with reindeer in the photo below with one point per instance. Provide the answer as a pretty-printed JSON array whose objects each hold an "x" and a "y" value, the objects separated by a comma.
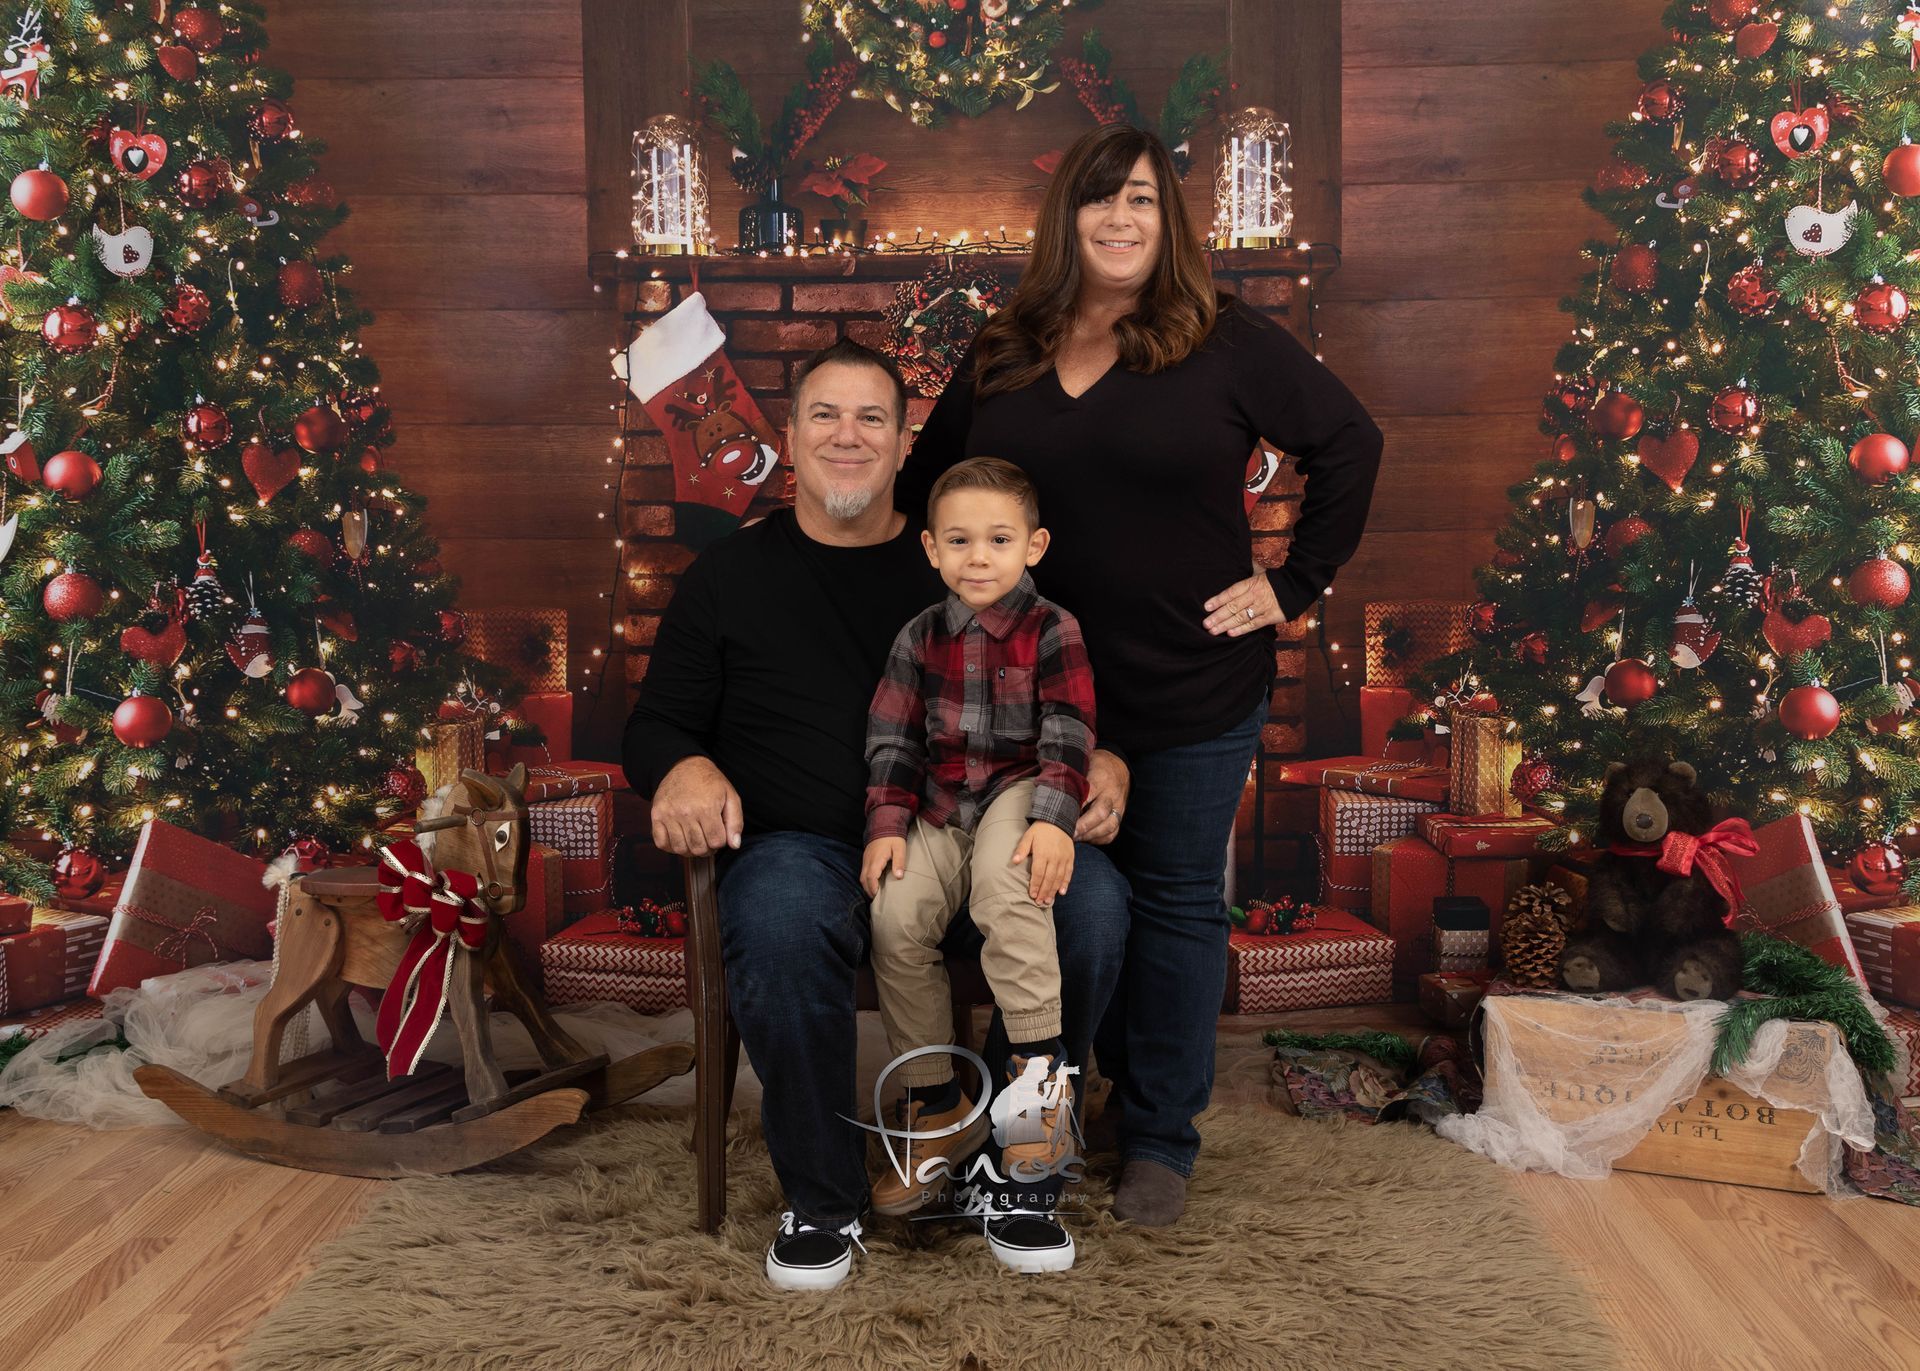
[{"x": 721, "y": 446}]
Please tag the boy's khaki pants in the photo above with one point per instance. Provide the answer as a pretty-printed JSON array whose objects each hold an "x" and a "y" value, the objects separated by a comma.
[{"x": 946, "y": 869}]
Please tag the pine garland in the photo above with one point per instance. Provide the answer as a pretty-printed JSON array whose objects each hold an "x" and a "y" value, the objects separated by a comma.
[
  {"x": 1798, "y": 986},
  {"x": 1389, "y": 1049}
]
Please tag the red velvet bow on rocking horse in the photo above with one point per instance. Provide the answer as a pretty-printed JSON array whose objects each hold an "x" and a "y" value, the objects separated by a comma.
[
  {"x": 1679, "y": 853},
  {"x": 443, "y": 903}
]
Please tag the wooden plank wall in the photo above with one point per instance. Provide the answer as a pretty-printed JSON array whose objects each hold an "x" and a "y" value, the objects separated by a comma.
[{"x": 456, "y": 129}]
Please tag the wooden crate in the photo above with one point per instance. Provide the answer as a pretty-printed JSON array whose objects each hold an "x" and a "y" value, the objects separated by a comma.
[{"x": 1568, "y": 1050}]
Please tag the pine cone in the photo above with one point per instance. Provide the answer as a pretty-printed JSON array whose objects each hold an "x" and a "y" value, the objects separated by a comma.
[{"x": 1534, "y": 933}]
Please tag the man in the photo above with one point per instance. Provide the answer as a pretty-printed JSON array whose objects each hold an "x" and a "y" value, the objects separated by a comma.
[{"x": 750, "y": 735}]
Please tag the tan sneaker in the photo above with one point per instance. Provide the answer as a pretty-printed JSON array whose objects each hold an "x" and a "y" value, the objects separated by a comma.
[
  {"x": 891, "y": 1195},
  {"x": 1033, "y": 1119}
]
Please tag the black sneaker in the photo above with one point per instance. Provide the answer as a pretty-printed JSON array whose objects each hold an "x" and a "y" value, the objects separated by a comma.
[
  {"x": 1022, "y": 1241},
  {"x": 803, "y": 1257}
]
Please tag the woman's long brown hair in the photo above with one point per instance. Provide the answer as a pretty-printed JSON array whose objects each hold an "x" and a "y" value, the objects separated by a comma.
[{"x": 1177, "y": 305}]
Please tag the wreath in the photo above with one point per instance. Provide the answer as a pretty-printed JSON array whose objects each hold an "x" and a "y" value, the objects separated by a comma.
[
  {"x": 932, "y": 321},
  {"x": 928, "y": 57}
]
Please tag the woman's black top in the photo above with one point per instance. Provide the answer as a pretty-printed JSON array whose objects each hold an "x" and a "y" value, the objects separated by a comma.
[{"x": 1142, "y": 483}]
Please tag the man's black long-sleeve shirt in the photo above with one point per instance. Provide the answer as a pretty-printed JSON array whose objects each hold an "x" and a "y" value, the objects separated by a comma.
[{"x": 766, "y": 663}]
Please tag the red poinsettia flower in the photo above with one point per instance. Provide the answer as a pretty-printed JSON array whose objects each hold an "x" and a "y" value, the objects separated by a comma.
[
  {"x": 824, "y": 183},
  {"x": 861, "y": 168},
  {"x": 847, "y": 181}
]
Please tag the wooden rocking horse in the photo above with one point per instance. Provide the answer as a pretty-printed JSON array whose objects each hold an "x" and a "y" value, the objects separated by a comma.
[{"x": 418, "y": 927}]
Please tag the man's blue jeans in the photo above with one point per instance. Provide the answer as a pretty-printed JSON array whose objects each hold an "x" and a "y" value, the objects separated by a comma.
[
  {"x": 794, "y": 932},
  {"x": 1156, "y": 1042}
]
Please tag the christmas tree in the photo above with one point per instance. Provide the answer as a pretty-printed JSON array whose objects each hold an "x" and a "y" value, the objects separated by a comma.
[
  {"x": 216, "y": 606},
  {"x": 1712, "y": 559}
]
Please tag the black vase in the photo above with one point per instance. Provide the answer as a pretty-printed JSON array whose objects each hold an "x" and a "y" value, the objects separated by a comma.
[{"x": 768, "y": 223}]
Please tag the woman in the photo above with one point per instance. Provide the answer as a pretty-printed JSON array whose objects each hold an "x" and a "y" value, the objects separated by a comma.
[{"x": 1132, "y": 394}]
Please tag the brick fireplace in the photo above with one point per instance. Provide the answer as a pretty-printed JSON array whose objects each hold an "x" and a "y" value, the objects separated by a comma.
[{"x": 776, "y": 310}]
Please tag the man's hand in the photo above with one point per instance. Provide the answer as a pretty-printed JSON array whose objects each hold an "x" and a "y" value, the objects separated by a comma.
[
  {"x": 882, "y": 853},
  {"x": 1052, "y": 865},
  {"x": 696, "y": 810},
  {"x": 1108, "y": 781}
]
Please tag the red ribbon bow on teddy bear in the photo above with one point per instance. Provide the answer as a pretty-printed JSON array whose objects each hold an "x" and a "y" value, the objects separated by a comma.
[
  {"x": 443, "y": 903},
  {"x": 1680, "y": 853}
]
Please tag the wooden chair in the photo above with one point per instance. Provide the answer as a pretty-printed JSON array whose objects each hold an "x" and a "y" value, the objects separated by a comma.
[{"x": 716, "y": 1041}]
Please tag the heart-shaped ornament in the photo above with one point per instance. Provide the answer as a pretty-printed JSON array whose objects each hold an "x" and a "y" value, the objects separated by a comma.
[
  {"x": 1815, "y": 233},
  {"x": 139, "y": 155},
  {"x": 270, "y": 471},
  {"x": 22, "y": 462},
  {"x": 181, "y": 63},
  {"x": 160, "y": 649},
  {"x": 1799, "y": 132},
  {"x": 1753, "y": 40},
  {"x": 1789, "y": 639},
  {"x": 1672, "y": 457},
  {"x": 124, "y": 254}
]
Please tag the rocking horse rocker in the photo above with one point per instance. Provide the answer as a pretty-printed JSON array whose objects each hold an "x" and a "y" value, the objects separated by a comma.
[{"x": 425, "y": 927}]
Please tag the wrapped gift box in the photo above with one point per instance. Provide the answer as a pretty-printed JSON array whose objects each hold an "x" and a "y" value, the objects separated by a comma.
[
  {"x": 552, "y": 713},
  {"x": 1459, "y": 949},
  {"x": 580, "y": 829},
  {"x": 544, "y": 914},
  {"x": 1450, "y": 997},
  {"x": 528, "y": 644},
  {"x": 1352, "y": 825},
  {"x": 1887, "y": 942},
  {"x": 1404, "y": 635},
  {"x": 1904, "y": 1024},
  {"x": 1381, "y": 707},
  {"x": 450, "y": 748},
  {"x": 1371, "y": 776},
  {"x": 565, "y": 780},
  {"x": 597, "y": 958},
  {"x": 50, "y": 962},
  {"x": 186, "y": 901},
  {"x": 1788, "y": 894},
  {"x": 1339, "y": 961},
  {"x": 1484, "y": 835},
  {"x": 37, "y": 1023},
  {"x": 1852, "y": 897},
  {"x": 1486, "y": 749},
  {"x": 1409, "y": 875},
  {"x": 16, "y": 915}
]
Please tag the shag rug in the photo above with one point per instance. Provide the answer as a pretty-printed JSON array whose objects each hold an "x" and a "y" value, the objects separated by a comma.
[{"x": 1305, "y": 1245}]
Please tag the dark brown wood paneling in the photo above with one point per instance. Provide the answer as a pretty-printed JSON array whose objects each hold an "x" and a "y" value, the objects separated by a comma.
[
  {"x": 1391, "y": 33},
  {"x": 438, "y": 137},
  {"x": 1466, "y": 460},
  {"x": 1445, "y": 356},
  {"x": 528, "y": 41},
  {"x": 1500, "y": 239},
  {"x": 414, "y": 252},
  {"x": 511, "y": 480},
  {"x": 455, "y": 366}
]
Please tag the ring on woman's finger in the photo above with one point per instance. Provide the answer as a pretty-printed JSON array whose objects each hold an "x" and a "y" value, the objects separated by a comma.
[{"x": 1250, "y": 613}]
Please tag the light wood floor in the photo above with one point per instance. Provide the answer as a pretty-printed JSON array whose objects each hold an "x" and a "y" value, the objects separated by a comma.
[{"x": 152, "y": 1250}]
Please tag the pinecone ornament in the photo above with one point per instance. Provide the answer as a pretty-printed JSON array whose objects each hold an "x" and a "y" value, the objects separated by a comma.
[
  {"x": 1741, "y": 586},
  {"x": 205, "y": 595},
  {"x": 1534, "y": 933}
]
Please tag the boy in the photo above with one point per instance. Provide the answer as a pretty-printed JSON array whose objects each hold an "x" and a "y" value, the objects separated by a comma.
[{"x": 977, "y": 751}]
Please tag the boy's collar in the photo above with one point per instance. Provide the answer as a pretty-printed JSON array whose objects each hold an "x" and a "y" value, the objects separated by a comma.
[{"x": 998, "y": 618}]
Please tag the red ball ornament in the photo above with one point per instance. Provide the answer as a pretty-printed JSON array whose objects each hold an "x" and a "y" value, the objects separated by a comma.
[
  {"x": 300, "y": 285},
  {"x": 1877, "y": 458},
  {"x": 1630, "y": 682},
  {"x": 142, "y": 720},
  {"x": 1880, "y": 584},
  {"x": 1565, "y": 449},
  {"x": 1809, "y": 712},
  {"x": 1749, "y": 293},
  {"x": 1901, "y": 170},
  {"x": 1637, "y": 269},
  {"x": 1908, "y": 692},
  {"x": 190, "y": 311},
  {"x": 1660, "y": 101},
  {"x": 370, "y": 460},
  {"x": 311, "y": 691},
  {"x": 39, "y": 194},
  {"x": 70, "y": 328},
  {"x": 202, "y": 182},
  {"x": 314, "y": 544},
  {"x": 200, "y": 29},
  {"x": 319, "y": 430},
  {"x": 1728, "y": 15},
  {"x": 271, "y": 120},
  {"x": 1878, "y": 869},
  {"x": 1616, "y": 415},
  {"x": 936, "y": 39},
  {"x": 72, "y": 595},
  {"x": 74, "y": 474},
  {"x": 207, "y": 425},
  {"x": 1531, "y": 779},
  {"x": 1624, "y": 533},
  {"x": 77, "y": 874},
  {"x": 1880, "y": 308},
  {"x": 1576, "y": 393},
  {"x": 405, "y": 784},
  {"x": 1734, "y": 409},
  {"x": 1738, "y": 164}
]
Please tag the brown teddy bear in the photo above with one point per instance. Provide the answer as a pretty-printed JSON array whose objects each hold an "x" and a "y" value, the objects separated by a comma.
[{"x": 1655, "y": 912}]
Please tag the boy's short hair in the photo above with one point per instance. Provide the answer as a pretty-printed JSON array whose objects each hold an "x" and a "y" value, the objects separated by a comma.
[
  {"x": 850, "y": 353},
  {"x": 987, "y": 473}
]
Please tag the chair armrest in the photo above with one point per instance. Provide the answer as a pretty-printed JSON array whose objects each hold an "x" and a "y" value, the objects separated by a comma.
[{"x": 706, "y": 983}]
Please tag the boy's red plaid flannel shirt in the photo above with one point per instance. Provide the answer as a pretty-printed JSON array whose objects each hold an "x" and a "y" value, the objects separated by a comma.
[{"x": 972, "y": 703}]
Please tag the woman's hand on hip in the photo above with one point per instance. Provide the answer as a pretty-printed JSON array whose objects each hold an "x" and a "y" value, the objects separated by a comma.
[
  {"x": 1108, "y": 781},
  {"x": 1244, "y": 606}
]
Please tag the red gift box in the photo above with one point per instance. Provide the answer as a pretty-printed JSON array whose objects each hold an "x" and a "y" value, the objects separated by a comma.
[
  {"x": 1852, "y": 897},
  {"x": 1381, "y": 707},
  {"x": 1887, "y": 942},
  {"x": 16, "y": 915},
  {"x": 564, "y": 780},
  {"x": 49, "y": 963},
  {"x": 580, "y": 829},
  {"x": 1484, "y": 835},
  {"x": 1351, "y": 826},
  {"x": 1402, "y": 636},
  {"x": 1409, "y": 874},
  {"x": 1339, "y": 961},
  {"x": 186, "y": 901},
  {"x": 37, "y": 1023},
  {"x": 552, "y": 713},
  {"x": 1450, "y": 997},
  {"x": 1904, "y": 1024},
  {"x": 1788, "y": 894},
  {"x": 1371, "y": 776},
  {"x": 599, "y": 959},
  {"x": 528, "y": 644},
  {"x": 544, "y": 913}
]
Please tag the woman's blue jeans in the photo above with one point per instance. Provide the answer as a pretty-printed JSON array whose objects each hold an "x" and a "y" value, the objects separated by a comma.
[{"x": 1156, "y": 1042}]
